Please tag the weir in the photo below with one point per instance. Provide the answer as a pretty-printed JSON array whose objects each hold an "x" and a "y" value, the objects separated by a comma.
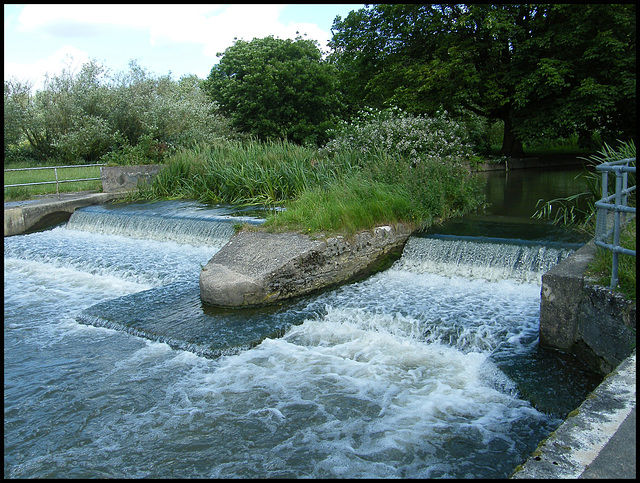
[
  {"x": 430, "y": 368},
  {"x": 491, "y": 259},
  {"x": 174, "y": 316},
  {"x": 181, "y": 222}
]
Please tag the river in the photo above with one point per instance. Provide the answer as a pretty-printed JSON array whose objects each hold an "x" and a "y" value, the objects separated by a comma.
[{"x": 428, "y": 369}]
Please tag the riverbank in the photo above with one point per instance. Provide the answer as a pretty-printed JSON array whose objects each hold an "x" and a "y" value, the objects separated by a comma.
[{"x": 532, "y": 162}]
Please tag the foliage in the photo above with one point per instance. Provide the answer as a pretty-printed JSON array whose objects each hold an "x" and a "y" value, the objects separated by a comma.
[
  {"x": 253, "y": 172},
  {"x": 348, "y": 205},
  {"x": 395, "y": 131},
  {"x": 600, "y": 267},
  {"x": 16, "y": 99},
  {"x": 124, "y": 118},
  {"x": 276, "y": 89},
  {"x": 579, "y": 209},
  {"x": 545, "y": 70},
  {"x": 344, "y": 191}
]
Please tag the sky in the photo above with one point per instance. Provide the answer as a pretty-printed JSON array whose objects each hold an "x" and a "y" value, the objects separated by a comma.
[{"x": 163, "y": 39}]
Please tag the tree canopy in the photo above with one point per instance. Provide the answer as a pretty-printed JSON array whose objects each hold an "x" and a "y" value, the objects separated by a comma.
[
  {"x": 89, "y": 114},
  {"x": 546, "y": 70},
  {"x": 276, "y": 89}
]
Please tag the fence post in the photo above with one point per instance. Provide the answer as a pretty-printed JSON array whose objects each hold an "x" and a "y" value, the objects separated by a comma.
[
  {"x": 616, "y": 231},
  {"x": 55, "y": 170}
]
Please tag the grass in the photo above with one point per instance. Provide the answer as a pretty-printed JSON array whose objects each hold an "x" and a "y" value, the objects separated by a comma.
[
  {"x": 600, "y": 267},
  {"x": 346, "y": 206},
  {"x": 342, "y": 192},
  {"x": 40, "y": 175},
  {"x": 252, "y": 173}
]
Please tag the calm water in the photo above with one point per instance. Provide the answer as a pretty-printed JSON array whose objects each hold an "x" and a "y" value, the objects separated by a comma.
[{"x": 428, "y": 369}]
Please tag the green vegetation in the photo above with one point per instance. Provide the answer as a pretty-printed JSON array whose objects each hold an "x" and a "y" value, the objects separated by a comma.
[
  {"x": 42, "y": 175},
  {"x": 344, "y": 191},
  {"x": 579, "y": 210},
  {"x": 276, "y": 89},
  {"x": 600, "y": 268},
  {"x": 545, "y": 70},
  {"x": 94, "y": 116}
]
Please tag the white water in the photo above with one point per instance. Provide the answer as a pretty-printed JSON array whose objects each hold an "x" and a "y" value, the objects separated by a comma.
[
  {"x": 478, "y": 258},
  {"x": 389, "y": 377}
]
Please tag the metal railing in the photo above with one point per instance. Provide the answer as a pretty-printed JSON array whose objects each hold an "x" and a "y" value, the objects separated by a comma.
[
  {"x": 616, "y": 203},
  {"x": 55, "y": 170}
]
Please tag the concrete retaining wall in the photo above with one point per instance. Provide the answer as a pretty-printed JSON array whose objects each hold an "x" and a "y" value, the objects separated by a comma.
[
  {"x": 579, "y": 317},
  {"x": 40, "y": 214},
  {"x": 116, "y": 179}
]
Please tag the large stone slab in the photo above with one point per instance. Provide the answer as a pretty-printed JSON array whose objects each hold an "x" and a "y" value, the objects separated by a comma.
[{"x": 258, "y": 268}]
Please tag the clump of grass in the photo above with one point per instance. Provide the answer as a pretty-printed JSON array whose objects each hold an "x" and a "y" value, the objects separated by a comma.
[
  {"x": 346, "y": 206},
  {"x": 251, "y": 173}
]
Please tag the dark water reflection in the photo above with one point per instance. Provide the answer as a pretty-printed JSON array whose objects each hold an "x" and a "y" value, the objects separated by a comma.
[{"x": 512, "y": 199}]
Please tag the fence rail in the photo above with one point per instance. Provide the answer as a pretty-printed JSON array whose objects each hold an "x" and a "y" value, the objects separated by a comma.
[
  {"x": 55, "y": 170},
  {"x": 618, "y": 204}
]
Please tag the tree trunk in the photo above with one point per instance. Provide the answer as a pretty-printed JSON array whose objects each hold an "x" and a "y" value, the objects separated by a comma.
[{"x": 511, "y": 144}]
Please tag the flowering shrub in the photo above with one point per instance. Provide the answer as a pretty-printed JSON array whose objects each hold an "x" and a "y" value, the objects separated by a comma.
[{"x": 395, "y": 131}]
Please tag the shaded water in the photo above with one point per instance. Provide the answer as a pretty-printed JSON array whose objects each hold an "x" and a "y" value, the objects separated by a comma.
[{"x": 415, "y": 372}]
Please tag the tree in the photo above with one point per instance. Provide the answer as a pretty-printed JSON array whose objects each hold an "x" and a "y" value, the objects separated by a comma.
[
  {"x": 83, "y": 116},
  {"x": 16, "y": 101},
  {"x": 544, "y": 70},
  {"x": 276, "y": 89}
]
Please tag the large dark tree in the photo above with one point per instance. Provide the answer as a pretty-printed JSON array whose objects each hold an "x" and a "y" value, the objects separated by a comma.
[
  {"x": 546, "y": 70},
  {"x": 276, "y": 89}
]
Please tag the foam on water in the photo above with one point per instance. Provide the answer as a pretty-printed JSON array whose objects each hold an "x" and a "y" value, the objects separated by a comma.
[
  {"x": 399, "y": 375},
  {"x": 145, "y": 262}
]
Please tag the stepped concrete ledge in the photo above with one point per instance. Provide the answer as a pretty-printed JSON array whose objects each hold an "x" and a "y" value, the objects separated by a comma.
[
  {"x": 577, "y": 316},
  {"x": 258, "y": 268}
]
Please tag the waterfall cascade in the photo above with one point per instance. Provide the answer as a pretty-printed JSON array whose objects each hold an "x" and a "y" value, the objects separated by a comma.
[
  {"x": 485, "y": 258},
  {"x": 182, "y": 224}
]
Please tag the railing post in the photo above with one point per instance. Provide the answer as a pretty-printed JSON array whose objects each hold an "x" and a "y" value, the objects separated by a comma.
[
  {"x": 55, "y": 170},
  {"x": 616, "y": 229},
  {"x": 618, "y": 203}
]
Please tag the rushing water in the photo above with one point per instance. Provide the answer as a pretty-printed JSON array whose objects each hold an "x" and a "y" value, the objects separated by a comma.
[{"x": 428, "y": 369}]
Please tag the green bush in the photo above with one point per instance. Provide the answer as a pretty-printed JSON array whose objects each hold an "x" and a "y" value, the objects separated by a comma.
[{"x": 132, "y": 117}]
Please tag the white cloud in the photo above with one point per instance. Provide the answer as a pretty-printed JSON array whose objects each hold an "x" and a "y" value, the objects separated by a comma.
[
  {"x": 212, "y": 26},
  {"x": 67, "y": 57}
]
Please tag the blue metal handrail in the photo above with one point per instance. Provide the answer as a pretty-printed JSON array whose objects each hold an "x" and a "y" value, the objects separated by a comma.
[
  {"x": 616, "y": 203},
  {"x": 55, "y": 171}
]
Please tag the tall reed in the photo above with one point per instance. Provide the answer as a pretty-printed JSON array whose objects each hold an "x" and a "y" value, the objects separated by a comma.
[
  {"x": 248, "y": 173},
  {"x": 343, "y": 191}
]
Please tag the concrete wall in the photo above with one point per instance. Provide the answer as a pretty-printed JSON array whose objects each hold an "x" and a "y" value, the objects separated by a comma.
[
  {"x": 36, "y": 215},
  {"x": 579, "y": 317},
  {"x": 116, "y": 179}
]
